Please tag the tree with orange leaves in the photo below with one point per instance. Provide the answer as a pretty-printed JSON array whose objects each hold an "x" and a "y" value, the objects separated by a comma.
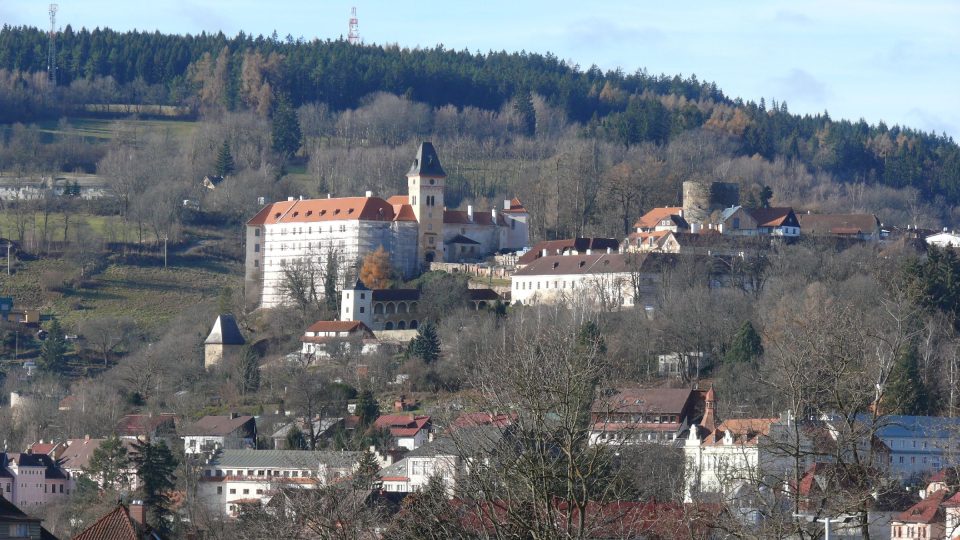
[{"x": 377, "y": 272}]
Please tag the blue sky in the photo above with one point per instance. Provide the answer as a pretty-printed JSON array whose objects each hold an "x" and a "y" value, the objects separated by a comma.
[{"x": 896, "y": 61}]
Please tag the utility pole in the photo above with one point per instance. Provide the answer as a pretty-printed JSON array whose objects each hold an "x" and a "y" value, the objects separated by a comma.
[
  {"x": 8, "y": 257},
  {"x": 165, "y": 237}
]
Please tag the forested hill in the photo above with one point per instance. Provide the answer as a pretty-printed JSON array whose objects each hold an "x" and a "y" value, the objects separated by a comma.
[{"x": 205, "y": 72}]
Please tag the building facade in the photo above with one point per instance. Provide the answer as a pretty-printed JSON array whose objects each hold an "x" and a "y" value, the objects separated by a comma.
[{"x": 32, "y": 480}]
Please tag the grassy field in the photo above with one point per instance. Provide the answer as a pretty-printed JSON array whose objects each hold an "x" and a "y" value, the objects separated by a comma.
[
  {"x": 104, "y": 129},
  {"x": 149, "y": 294},
  {"x": 98, "y": 225}
]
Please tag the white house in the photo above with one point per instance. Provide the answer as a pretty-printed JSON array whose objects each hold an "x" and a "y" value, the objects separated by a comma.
[
  {"x": 415, "y": 229},
  {"x": 919, "y": 445},
  {"x": 446, "y": 457},
  {"x": 408, "y": 431},
  {"x": 211, "y": 433},
  {"x": 75, "y": 455},
  {"x": 322, "y": 337},
  {"x": 236, "y": 477}
]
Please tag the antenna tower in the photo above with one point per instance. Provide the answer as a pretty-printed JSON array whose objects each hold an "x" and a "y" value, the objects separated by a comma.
[
  {"x": 52, "y": 49},
  {"x": 353, "y": 36}
]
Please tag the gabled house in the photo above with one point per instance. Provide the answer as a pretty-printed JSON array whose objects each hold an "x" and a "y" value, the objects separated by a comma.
[
  {"x": 14, "y": 523},
  {"x": 323, "y": 428},
  {"x": 643, "y": 415},
  {"x": 447, "y": 457},
  {"x": 773, "y": 221},
  {"x": 153, "y": 426},
  {"x": 922, "y": 521},
  {"x": 669, "y": 218},
  {"x": 324, "y": 338},
  {"x": 122, "y": 523},
  {"x": 567, "y": 246},
  {"x": 210, "y": 433},
  {"x": 75, "y": 457},
  {"x": 408, "y": 431},
  {"x": 853, "y": 226}
]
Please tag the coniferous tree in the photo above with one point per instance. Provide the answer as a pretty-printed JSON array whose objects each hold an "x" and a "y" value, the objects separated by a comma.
[
  {"x": 426, "y": 346},
  {"x": 368, "y": 409},
  {"x": 155, "y": 466},
  {"x": 746, "y": 345},
  {"x": 590, "y": 340},
  {"x": 523, "y": 106},
  {"x": 285, "y": 128},
  {"x": 906, "y": 393},
  {"x": 331, "y": 279},
  {"x": 295, "y": 438},
  {"x": 108, "y": 463},
  {"x": 367, "y": 475},
  {"x": 225, "y": 165},
  {"x": 54, "y": 348}
]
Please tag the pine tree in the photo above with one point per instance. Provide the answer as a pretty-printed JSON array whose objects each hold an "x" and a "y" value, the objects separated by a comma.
[
  {"x": 377, "y": 272},
  {"x": 523, "y": 106},
  {"x": 426, "y": 346},
  {"x": 367, "y": 475},
  {"x": 590, "y": 339},
  {"x": 906, "y": 393},
  {"x": 54, "y": 348},
  {"x": 368, "y": 409},
  {"x": 225, "y": 165},
  {"x": 108, "y": 463},
  {"x": 296, "y": 439},
  {"x": 155, "y": 466},
  {"x": 285, "y": 130},
  {"x": 746, "y": 345},
  {"x": 331, "y": 278}
]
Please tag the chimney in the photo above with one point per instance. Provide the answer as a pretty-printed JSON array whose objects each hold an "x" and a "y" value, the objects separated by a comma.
[
  {"x": 493, "y": 214},
  {"x": 86, "y": 437},
  {"x": 289, "y": 199},
  {"x": 681, "y": 213},
  {"x": 589, "y": 251},
  {"x": 609, "y": 251},
  {"x": 470, "y": 213},
  {"x": 544, "y": 253},
  {"x": 301, "y": 197},
  {"x": 328, "y": 196},
  {"x": 137, "y": 512},
  {"x": 506, "y": 204},
  {"x": 234, "y": 416},
  {"x": 369, "y": 194}
]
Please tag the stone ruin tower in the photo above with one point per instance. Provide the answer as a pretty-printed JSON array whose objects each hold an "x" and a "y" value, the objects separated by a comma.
[{"x": 701, "y": 199}]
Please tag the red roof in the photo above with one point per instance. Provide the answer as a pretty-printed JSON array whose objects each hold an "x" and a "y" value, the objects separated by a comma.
[
  {"x": 925, "y": 511},
  {"x": 398, "y": 199},
  {"x": 116, "y": 525},
  {"x": 770, "y": 217},
  {"x": 42, "y": 448},
  {"x": 654, "y": 216},
  {"x": 402, "y": 425},
  {"x": 132, "y": 425},
  {"x": 316, "y": 210},
  {"x": 516, "y": 207}
]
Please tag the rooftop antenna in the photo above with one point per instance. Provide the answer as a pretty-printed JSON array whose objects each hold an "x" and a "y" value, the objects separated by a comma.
[
  {"x": 52, "y": 49},
  {"x": 353, "y": 36}
]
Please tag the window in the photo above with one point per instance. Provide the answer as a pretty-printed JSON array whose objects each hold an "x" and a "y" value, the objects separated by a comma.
[
  {"x": 233, "y": 491},
  {"x": 259, "y": 492},
  {"x": 361, "y": 309},
  {"x": 61, "y": 488},
  {"x": 219, "y": 490},
  {"x": 246, "y": 492},
  {"x": 256, "y": 248},
  {"x": 256, "y": 232},
  {"x": 363, "y": 296},
  {"x": 19, "y": 530}
]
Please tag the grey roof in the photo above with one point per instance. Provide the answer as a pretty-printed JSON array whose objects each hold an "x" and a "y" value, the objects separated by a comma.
[
  {"x": 319, "y": 426},
  {"x": 303, "y": 459},
  {"x": 427, "y": 163},
  {"x": 461, "y": 239},
  {"x": 917, "y": 426},
  {"x": 725, "y": 215},
  {"x": 225, "y": 331},
  {"x": 220, "y": 426},
  {"x": 473, "y": 440}
]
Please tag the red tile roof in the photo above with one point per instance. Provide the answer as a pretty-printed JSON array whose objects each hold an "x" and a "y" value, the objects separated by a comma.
[
  {"x": 115, "y": 525},
  {"x": 42, "y": 448},
  {"x": 342, "y": 208},
  {"x": 840, "y": 224},
  {"x": 654, "y": 216},
  {"x": 770, "y": 217},
  {"x": 925, "y": 511},
  {"x": 745, "y": 431},
  {"x": 79, "y": 451},
  {"x": 477, "y": 419},
  {"x": 516, "y": 207},
  {"x": 132, "y": 425},
  {"x": 644, "y": 400},
  {"x": 402, "y": 425},
  {"x": 398, "y": 200}
]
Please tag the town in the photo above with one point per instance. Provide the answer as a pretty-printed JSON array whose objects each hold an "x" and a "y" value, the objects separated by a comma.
[{"x": 261, "y": 287}]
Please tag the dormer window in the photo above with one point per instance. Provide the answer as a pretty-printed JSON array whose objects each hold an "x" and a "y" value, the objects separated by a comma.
[
  {"x": 309, "y": 212},
  {"x": 337, "y": 211},
  {"x": 277, "y": 215},
  {"x": 323, "y": 212},
  {"x": 295, "y": 214},
  {"x": 555, "y": 265},
  {"x": 350, "y": 211},
  {"x": 583, "y": 263}
]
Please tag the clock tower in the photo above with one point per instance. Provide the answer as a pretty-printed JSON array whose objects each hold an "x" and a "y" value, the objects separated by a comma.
[{"x": 425, "y": 183}]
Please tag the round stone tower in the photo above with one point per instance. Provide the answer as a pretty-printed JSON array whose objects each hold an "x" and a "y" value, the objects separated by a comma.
[{"x": 696, "y": 202}]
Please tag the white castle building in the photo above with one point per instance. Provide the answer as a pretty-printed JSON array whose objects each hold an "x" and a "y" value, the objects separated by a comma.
[{"x": 415, "y": 229}]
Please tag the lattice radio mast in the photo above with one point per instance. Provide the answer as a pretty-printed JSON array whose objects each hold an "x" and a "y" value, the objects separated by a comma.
[
  {"x": 52, "y": 49},
  {"x": 353, "y": 36}
]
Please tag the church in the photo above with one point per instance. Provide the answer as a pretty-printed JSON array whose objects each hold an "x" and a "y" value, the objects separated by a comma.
[{"x": 416, "y": 229}]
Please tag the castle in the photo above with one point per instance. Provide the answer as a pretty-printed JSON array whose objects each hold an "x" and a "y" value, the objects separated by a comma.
[{"x": 415, "y": 229}]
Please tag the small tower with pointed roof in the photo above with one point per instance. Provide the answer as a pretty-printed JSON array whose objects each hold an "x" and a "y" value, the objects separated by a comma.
[
  {"x": 357, "y": 304},
  {"x": 224, "y": 342},
  {"x": 425, "y": 183}
]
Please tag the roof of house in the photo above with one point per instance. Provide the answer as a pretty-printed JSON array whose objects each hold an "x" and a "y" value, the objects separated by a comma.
[
  {"x": 42, "y": 448},
  {"x": 461, "y": 239},
  {"x": 483, "y": 294},
  {"x": 894, "y": 426},
  {"x": 10, "y": 513},
  {"x": 301, "y": 459},
  {"x": 643, "y": 400},
  {"x": 394, "y": 295},
  {"x": 217, "y": 425},
  {"x": 114, "y": 525},
  {"x": 838, "y": 223},
  {"x": 144, "y": 424},
  {"x": 225, "y": 332},
  {"x": 339, "y": 326},
  {"x": 427, "y": 163},
  {"x": 319, "y": 426},
  {"x": 475, "y": 419},
  {"x": 78, "y": 452},
  {"x": 340, "y": 208},
  {"x": 398, "y": 200},
  {"x": 596, "y": 263},
  {"x": 516, "y": 207},
  {"x": 51, "y": 470},
  {"x": 464, "y": 441},
  {"x": 402, "y": 425},
  {"x": 770, "y": 217},
  {"x": 559, "y": 247},
  {"x": 745, "y": 431},
  {"x": 926, "y": 511},
  {"x": 462, "y": 217},
  {"x": 656, "y": 215}
]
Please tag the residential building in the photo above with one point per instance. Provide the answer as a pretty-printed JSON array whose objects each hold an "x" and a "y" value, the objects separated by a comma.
[
  {"x": 397, "y": 309},
  {"x": 125, "y": 522},
  {"x": 682, "y": 365},
  {"x": 323, "y": 428},
  {"x": 446, "y": 457},
  {"x": 852, "y": 226},
  {"x": 415, "y": 229},
  {"x": 407, "y": 430},
  {"x": 569, "y": 246},
  {"x": 323, "y": 339},
  {"x": 14, "y": 523},
  {"x": 211, "y": 433},
  {"x": 919, "y": 445},
  {"x": 224, "y": 342},
  {"x": 153, "y": 426},
  {"x": 644, "y": 415},
  {"x": 75, "y": 455},
  {"x": 31, "y": 480},
  {"x": 774, "y": 221},
  {"x": 235, "y": 477},
  {"x": 922, "y": 521},
  {"x": 663, "y": 219}
]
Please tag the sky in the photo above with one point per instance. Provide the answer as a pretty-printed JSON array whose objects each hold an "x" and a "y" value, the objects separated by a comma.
[{"x": 880, "y": 60}]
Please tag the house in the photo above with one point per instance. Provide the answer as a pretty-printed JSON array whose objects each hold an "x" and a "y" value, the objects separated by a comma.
[
  {"x": 568, "y": 246},
  {"x": 446, "y": 457},
  {"x": 607, "y": 279},
  {"x": 415, "y": 229},
  {"x": 919, "y": 444},
  {"x": 224, "y": 342},
  {"x": 14, "y": 523},
  {"x": 74, "y": 456},
  {"x": 944, "y": 239},
  {"x": 153, "y": 426},
  {"x": 327, "y": 338},
  {"x": 853, "y": 226},
  {"x": 211, "y": 181},
  {"x": 322, "y": 428},
  {"x": 31, "y": 480},
  {"x": 644, "y": 415},
  {"x": 125, "y": 522},
  {"x": 669, "y": 218},
  {"x": 926, "y": 519},
  {"x": 408, "y": 430},
  {"x": 232, "y": 478},
  {"x": 774, "y": 221},
  {"x": 210, "y": 433},
  {"x": 682, "y": 365},
  {"x": 397, "y": 309}
]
